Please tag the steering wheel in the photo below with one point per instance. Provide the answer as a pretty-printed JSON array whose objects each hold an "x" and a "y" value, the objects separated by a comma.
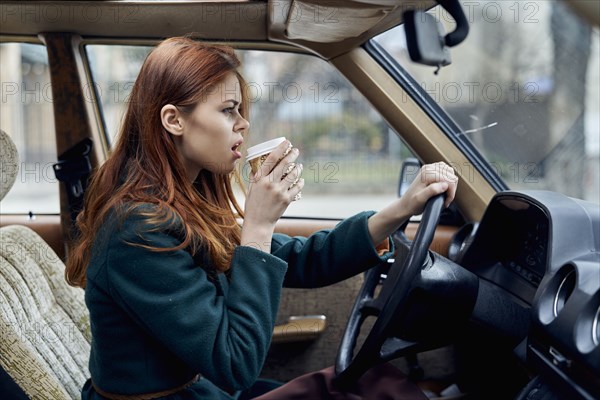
[{"x": 389, "y": 306}]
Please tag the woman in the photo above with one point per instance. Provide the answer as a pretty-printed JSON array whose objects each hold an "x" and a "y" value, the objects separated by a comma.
[{"x": 183, "y": 300}]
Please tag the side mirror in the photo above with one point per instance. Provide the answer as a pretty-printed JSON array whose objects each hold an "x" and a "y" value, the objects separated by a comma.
[
  {"x": 425, "y": 34},
  {"x": 408, "y": 173}
]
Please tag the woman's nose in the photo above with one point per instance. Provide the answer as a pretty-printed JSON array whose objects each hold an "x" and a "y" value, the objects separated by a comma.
[{"x": 242, "y": 124}]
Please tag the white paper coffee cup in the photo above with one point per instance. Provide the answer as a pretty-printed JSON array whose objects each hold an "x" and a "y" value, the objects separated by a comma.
[{"x": 257, "y": 154}]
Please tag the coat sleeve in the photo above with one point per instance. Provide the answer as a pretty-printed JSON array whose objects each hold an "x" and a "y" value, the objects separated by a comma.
[
  {"x": 329, "y": 256},
  {"x": 224, "y": 336}
]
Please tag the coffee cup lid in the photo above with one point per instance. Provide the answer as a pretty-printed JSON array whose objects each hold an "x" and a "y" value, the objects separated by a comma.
[{"x": 263, "y": 148}]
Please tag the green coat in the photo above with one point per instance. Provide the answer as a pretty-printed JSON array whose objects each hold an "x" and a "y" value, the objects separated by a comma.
[{"x": 158, "y": 318}]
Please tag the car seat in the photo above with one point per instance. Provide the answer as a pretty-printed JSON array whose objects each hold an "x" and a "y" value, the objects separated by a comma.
[{"x": 44, "y": 323}]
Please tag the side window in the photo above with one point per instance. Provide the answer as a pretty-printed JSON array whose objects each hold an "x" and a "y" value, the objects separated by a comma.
[
  {"x": 114, "y": 69},
  {"x": 351, "y": 157},
  {"x": 27, "y": 117}
]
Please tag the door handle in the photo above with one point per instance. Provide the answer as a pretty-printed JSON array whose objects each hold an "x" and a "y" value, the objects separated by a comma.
[{"x": 300, "y": 329}]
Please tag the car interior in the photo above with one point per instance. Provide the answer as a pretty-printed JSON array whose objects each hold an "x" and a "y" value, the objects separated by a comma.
[{"x": 494, "y": 297}]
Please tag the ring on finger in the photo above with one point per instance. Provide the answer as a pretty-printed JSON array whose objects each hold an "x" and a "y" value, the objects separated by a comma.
[
  {"x": 285, "y": 153},
  {"x": 294, "y": 183},
  {"x": 289, "y": 169}
]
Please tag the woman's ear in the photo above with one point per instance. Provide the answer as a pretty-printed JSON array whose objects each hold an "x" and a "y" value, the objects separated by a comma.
[{"x": 171, "y": 119}]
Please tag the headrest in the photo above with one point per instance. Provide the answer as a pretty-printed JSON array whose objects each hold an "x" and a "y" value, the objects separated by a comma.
[{"x": 9, "y": 163}]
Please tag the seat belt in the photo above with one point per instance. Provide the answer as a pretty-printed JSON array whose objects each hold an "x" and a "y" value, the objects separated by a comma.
[{"x": 74, "y": 168}]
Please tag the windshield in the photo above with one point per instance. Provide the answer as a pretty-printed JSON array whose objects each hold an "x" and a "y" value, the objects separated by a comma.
[{"x": 523, "y": 88}]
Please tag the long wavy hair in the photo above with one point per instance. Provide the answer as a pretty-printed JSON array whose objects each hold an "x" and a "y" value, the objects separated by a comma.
[{"x": 144, "y": 166}]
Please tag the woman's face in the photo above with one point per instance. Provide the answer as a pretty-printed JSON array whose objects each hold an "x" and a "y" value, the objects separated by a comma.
[{"x": 212, "y": 132}]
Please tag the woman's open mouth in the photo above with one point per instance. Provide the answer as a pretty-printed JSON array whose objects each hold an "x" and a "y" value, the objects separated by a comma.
[{"x": 235, "y": 150}]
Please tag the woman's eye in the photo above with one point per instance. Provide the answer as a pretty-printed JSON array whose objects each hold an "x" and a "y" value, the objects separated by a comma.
[{"x": 228, "y": 110}]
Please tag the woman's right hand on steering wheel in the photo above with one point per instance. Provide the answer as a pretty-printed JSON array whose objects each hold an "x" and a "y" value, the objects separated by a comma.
[{"x": 431, "y": 180}]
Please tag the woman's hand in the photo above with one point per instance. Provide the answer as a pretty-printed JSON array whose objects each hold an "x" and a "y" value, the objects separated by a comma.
[
  {"x": 431, "y": 180},
  {"x": 274, "y": 186}
]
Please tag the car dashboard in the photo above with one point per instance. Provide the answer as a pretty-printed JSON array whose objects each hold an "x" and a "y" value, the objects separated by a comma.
[{"x": 541, "y": 250}]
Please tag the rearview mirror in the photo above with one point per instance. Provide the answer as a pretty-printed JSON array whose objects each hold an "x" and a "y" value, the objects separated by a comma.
[{"x": 425, "y": 37}]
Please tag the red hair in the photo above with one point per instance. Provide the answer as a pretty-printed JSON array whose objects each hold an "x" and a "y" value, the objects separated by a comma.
[{"x": 145, "y": 167}]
